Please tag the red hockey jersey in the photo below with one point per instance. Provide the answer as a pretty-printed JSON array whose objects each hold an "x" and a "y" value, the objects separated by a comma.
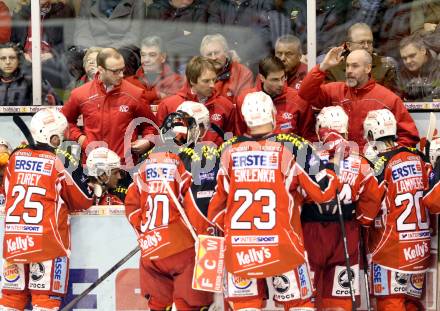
[
  {"x": 257, "y": 198},
  {"x": 39, "y": 195},
  {"x": 152, "y": 212},
  {"x": 401, "y": 239}
]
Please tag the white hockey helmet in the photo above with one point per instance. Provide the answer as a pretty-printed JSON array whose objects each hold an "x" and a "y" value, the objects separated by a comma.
[
  {"x": 380, "y": 123},
  {"x": 434, "y": 150},
  {"x": 102, "y": 160},
  {"x": 5, "y": 143},
  {"x": 258, "y": 109},
  {"x": 198, "y": 111},
  {"x": 334, "y": 118},
  {"x": 47, "y": 123}
]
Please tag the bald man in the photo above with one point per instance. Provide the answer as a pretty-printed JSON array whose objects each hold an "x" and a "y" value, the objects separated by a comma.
[
  {"x": 358, "y": 95},
  {"x": 383, "y": 69}
]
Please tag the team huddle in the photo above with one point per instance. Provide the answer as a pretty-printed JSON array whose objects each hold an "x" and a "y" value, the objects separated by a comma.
[{"x": 301, "y": 219}]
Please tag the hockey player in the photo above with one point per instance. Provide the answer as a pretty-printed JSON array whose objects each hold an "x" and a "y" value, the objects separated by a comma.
[
  {"x": 432, "y": 198},
  {"x": 201, "y": 159},
  {"x": 359, "y": 198},
  {"x": 261, "y": 182},
  {"x": 167, "y": 246},
  {"x": 39, "y": 195},
  {"x": 5, "y": 151},
  {"x": 109, "y": 182},
  {"x": 400, "y": 240}
]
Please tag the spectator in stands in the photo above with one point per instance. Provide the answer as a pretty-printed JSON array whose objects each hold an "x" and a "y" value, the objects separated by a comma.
[
  {"x": 392, "y": 25},
  {"x": 16, "y": 83},
  {"x": 293, "y": 115},
  {"x": 52, "y": 39},
  {"x": 108, "y": 104},
  {"x": 154, "y": 74},
  {"x": 232, "y": 77},
  {"x": 358, "y": 95},
  {"x": 109, "y": 22},
  {"x": 288, "y": 49},
  {"x": 201, "y": 76},
  {"x": 383, "y": 69},
  {"x": 245, "y": 25},
  {"x": 419, "y": 77},
  {"x": 181, "y": 24},
  {"x": 89, "y": 64},
  {"x": 5, "y": 23},
  {"x": 425, "y": 15},
  {"x": 332, "y": 18},
  {"x": 132, "y": 59}
]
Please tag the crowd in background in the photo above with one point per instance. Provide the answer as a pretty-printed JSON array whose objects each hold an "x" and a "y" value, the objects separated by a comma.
[{"x": 73, "y": 29}]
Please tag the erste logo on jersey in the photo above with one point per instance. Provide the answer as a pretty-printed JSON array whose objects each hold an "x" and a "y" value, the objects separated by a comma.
[
  {"x": 405, "y": 170},
  {"x": 160, "y": 171},
  {"x": 255, "y": 159},
  {"x": 33, "y": 165}
]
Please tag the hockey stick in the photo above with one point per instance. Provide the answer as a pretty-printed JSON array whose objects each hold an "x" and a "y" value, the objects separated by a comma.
[
  {"x": 346, "y": 255},
  {"x": 74, "y": 301},
  {"x": 365, "y": 259},
  {"x": 430, "y": 132},
  {"x": 179, "y": 207},
  {"x": 18, "y": 120}
]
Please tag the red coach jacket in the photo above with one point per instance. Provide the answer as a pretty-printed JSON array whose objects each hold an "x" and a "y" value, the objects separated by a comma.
[
  {"x": 106, "y": 116},
  {"x": 167, "y": 82},
  {"x": 221, "y": 111},
  {"x": 233, "y": 80},
  {"x": 293, "y": 113},
  {"x": 357, "y": 102}
]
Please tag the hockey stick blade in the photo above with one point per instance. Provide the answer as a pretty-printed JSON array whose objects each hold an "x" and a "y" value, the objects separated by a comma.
[
  {"x": 74, "y": 301},
  {"x": 431, "y": 126},
  {"x": 24, "y": 129}
]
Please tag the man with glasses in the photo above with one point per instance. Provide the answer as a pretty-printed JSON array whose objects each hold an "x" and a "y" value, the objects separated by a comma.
[
  {"x": 383, "y": 69},
  {"x": 109, "y": 104},
  {"x": 292, "y": 113}
]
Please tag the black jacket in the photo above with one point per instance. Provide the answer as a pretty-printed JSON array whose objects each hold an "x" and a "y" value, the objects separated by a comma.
[
  {"x": 181, "y": 29},
  {"x": 246, "y": 26},
  {"x": 54, "y": 35},
  {"x": 18, "y": 91},
  {"x": 423, "y": 86}
]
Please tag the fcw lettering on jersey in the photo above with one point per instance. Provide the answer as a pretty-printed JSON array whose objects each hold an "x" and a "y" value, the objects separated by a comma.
[{"x": 33, "y": 165}]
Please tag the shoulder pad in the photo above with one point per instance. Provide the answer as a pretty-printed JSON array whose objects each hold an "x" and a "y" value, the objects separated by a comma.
[
  {"x": 67, "y": 155},
  {"x": 379, "y": 164},
  {"x": 227, "y": 143},
  {"x": 190, "y": 153},
  {"x": 20, "y": 147},
  {"x": 295, "y": 140},
  {"x": 209, "y": 152}
]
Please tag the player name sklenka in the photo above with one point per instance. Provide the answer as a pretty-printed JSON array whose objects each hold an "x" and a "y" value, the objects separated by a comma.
[{"x": 254, "y": 175}]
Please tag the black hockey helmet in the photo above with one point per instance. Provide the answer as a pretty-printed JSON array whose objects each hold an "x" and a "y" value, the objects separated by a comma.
[{"x": 179, "y": 127}]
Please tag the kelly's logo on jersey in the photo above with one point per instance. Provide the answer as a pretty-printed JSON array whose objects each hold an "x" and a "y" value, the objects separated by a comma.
[
  {"x": 33, "y": 165},
  {"x": 255, "y": 159},
  {"x": 405, "y": 170}
]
